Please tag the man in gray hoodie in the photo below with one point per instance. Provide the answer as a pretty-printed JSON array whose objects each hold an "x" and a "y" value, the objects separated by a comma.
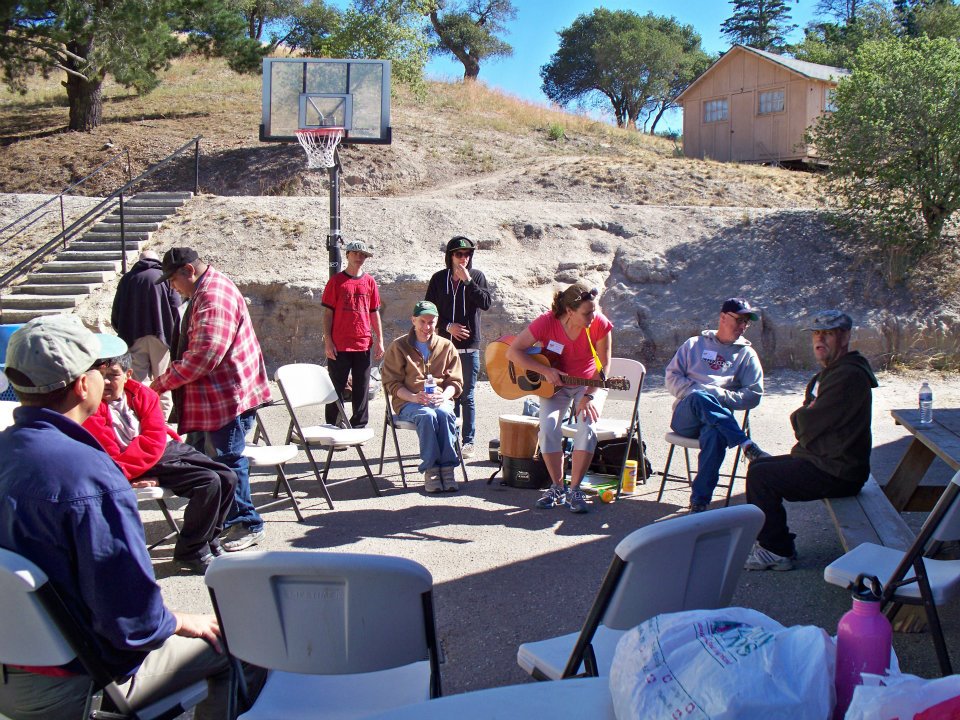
[{"x": 710, "y": 376}]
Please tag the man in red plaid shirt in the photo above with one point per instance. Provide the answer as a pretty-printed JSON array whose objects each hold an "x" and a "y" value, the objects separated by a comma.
[{"x": 221, "y": 378}]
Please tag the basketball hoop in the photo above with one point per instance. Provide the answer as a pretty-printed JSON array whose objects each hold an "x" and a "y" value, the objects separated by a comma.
[{"x": 320, "y": 144}]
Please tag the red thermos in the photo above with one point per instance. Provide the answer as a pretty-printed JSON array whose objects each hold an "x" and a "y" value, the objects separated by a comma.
[{"x": 864, "y": 641}]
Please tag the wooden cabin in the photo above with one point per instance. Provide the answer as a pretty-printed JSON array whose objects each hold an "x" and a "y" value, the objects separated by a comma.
[{"x": 754, "y": 106}]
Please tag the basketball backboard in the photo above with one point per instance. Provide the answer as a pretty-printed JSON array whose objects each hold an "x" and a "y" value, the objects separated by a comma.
[{"x": 301, "y": 93}]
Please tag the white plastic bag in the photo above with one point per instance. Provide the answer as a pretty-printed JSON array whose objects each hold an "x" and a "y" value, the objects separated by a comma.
[
  {"x": 721, "y": 665},
  {"x": 905, "y": 697}
]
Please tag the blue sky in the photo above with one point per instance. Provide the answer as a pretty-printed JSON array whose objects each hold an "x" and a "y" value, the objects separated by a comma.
[{"x": 533, "y": 36}]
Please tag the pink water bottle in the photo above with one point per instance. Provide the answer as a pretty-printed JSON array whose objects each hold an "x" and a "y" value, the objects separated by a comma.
[{"x": 864, "y": 640}]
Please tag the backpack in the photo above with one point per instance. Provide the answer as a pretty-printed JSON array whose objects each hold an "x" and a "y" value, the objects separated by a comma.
[{"x": 608, "y": 458}]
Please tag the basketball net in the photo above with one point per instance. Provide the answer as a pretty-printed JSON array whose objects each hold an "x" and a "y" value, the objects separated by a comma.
[{"x": 320, "y": 144}]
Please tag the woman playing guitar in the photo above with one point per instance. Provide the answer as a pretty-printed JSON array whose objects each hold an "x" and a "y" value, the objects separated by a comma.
[{"x": 579, "y": 342}]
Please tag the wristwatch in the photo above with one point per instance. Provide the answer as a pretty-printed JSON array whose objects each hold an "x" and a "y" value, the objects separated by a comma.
[{"x": 588, "y": 396}]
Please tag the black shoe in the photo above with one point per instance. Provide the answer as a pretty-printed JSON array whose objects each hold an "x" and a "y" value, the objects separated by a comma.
[
  {"x": 197, "y": 563},
  {"x": 696, "y": 507},
  {"x": 215, "y": 548},
  {"x": 753, "y": 452}
]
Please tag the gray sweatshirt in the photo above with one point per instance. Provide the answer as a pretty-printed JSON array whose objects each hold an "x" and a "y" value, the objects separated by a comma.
[{"x": 731, "y": 373}]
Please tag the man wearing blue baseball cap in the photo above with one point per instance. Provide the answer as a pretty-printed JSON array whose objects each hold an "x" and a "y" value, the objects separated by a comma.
[
  {"x": 832, "y": 454},
  {"x": 711, "y": 375},
  {"x": 65, "y": 505}
]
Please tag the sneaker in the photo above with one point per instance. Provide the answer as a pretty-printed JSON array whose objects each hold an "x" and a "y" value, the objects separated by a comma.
[
  {"x": 762, "y": 559},
  {"x": 432, "y": 483},
  {"x": 698, "y": 507},
  {"x": 576, "y": 501},
  {"x": 552, "y": 497},
  {"x": 195, "y": 563},
  {"x": 753, "y": 452},
  {"x": 448, "y": 478},
  {"x": 240, "y": 537},
  {"x": 467, "y": 451}
]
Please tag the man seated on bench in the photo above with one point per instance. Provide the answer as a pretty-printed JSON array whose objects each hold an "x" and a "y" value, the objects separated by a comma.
[
  {"x": 406, "y": 365},
  {"x": 832, "y": 455},
  {"x": 129, "y": 424}
]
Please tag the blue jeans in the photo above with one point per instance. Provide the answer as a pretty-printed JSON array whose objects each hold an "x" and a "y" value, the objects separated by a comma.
[
  {"x": 466, "y": 403},
  {"x": 700, "y": 415},
  {"x": 437, "y": 430},
  {"x": 227, "y": 446}
]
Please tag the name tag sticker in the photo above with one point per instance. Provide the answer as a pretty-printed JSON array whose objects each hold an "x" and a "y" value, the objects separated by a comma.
[
  {"x": 709, "y": 355},
  {"x": 555, "y": 347}
]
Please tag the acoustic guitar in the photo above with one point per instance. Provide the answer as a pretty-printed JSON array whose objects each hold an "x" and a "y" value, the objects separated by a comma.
[{"x": 510, "y": 382}]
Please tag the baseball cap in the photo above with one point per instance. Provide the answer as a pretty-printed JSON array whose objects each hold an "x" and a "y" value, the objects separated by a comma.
[
  {"x": 425, "y": 307},
  {"x": 54, "y": 350},
  {"x": 830, "y": 320},
  {"x": 358, "y": 246},
  {"x": 460, "y": 243},
  {"x": 739, "y": 306},
  {"x": 174, "y": 259}
]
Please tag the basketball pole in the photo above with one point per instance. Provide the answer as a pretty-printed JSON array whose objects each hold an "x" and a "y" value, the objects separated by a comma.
[{"x": 333, "y": 239}]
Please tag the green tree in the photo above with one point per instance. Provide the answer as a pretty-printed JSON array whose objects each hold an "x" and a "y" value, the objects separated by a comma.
[
  {"x": 892, "y": 146},
  {"x": 631, "y": 61},
  {"x": 470, "y": 32},
  {"x": 86, "y": 40},
  {"x": 761, "y": 24},
  {"x": 837, "y": 43}
]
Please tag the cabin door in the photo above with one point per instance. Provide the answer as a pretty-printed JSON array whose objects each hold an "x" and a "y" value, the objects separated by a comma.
[{"x": 741, "y": 126}]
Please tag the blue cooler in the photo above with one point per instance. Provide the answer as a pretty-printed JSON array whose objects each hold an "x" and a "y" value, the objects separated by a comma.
[{"x": 5, "y": 332}]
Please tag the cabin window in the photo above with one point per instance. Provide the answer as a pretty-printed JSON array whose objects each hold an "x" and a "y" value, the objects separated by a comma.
[
  {"x": 715, "y": 110},
  {"x": 829, "y": 99},
  {"x": 771, "y": 102}
]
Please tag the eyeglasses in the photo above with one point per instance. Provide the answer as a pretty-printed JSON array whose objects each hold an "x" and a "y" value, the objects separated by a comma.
[
  {"x": 463, "y": 253},
  {"x": 740, "y": 319}
]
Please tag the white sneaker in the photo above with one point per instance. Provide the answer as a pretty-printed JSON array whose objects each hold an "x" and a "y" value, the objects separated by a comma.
[
  {"x": 467, "y": 451},
  {"x": 762, "y": 559},
  {"x": 431, "y": 481}
]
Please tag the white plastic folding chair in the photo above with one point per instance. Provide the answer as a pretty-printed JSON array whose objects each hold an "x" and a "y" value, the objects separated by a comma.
[
  {"x": 682, "y": 563},
  {"x": 676, "y": 440},
  {"x": 160, "y": 496},
  {"x": 393, "y": 423},
  {"x": 343, "y": 635},
  {"x": 37, "y": 629},
  {"x": 6, "y": 413},
  {"x": 611, "y": 428},
  {"x": 272, "y": 456},
  {"x": 911, "y": 577},
  {"x": 304, "y": 385}
]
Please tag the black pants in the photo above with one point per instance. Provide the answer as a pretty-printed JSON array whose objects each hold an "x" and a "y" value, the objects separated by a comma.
[
  {"x": 772, "y": 480},
  {"x": 209, "y": 486},
  {"x": 356, "y": 364}
]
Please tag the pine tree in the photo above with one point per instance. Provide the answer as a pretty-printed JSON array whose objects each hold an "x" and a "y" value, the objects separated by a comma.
[{"x": 761, "y": 24}]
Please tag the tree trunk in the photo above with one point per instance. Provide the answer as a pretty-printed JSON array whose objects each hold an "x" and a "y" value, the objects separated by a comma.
[
  {"x": 86, "y": 102},
  {"x": 471, "y": 68},
  {"x": 656, "y": 119}
]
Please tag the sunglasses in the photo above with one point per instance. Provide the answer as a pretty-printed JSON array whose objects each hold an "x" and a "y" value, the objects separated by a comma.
[
  {"x": 587, "y": 295},
  {"x": 463, "y": 253}
]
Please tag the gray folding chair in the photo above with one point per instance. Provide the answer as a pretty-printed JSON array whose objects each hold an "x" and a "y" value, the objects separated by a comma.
[
  {"x": 676, "y": 440},
  {"x": 682, "y": 563},
  {"x": 272, "y": 456},
  {"x": 343, "y": 635},
  {"x": 394, "y": 423},
  {"x": 911, "y": 577},
  {"x": 37, "y": 629}
]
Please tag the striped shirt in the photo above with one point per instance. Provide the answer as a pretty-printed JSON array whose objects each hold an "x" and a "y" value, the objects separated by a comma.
[{"x": 221, "y": 371}]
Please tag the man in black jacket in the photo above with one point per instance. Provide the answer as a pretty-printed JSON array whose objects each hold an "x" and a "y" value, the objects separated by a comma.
[
  {"x": 832, "y": 454},
  {"x": 147, "y": 317},
  {"x": 460, "y": 294}
]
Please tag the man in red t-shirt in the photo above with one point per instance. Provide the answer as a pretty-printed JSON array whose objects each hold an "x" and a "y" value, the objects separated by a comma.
[{"x": 351, "y": 309}]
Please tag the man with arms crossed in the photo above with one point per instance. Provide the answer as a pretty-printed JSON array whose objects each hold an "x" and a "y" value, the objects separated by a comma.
[
  {"x": 65, "y": 506},
  {"x": 351, "y": 307},
  {"x": 832, "y": 454},
  {"x": 710, "y": 376}
]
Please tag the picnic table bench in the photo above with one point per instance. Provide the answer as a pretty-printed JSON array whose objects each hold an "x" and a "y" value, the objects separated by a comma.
[{"x": 869, "y": 517}]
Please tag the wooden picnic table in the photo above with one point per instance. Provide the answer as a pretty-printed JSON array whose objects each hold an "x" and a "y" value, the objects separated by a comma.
[{"x": 941, "y": 439}]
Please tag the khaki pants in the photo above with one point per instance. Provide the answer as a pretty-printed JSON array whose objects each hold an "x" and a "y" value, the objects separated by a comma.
[
  {"x": 151, "y": 358},
  {"x": 178, "y": 663}
]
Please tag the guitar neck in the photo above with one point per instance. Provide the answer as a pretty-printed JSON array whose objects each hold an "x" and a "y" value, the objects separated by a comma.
[{"x": 583, "y": 382}]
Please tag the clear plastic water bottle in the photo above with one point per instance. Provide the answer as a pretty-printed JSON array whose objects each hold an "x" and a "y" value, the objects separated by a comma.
[
  {"x": 430, "y": 385},
  {"x": 926, "y": 404},
  {"x": 863, "y": 641}
]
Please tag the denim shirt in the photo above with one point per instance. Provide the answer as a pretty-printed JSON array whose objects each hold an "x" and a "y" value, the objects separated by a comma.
[{"x": 65, "y": 505}]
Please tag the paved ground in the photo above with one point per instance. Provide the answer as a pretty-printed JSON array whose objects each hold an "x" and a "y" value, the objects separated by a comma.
[{"x": 506, "y": 572}]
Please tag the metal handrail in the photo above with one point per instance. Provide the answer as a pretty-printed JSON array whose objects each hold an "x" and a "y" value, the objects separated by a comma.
[{"x": 67, "y": 233}]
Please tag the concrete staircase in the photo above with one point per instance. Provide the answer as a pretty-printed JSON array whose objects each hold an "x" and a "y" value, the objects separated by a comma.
[{"x": 91, "y": 260}]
